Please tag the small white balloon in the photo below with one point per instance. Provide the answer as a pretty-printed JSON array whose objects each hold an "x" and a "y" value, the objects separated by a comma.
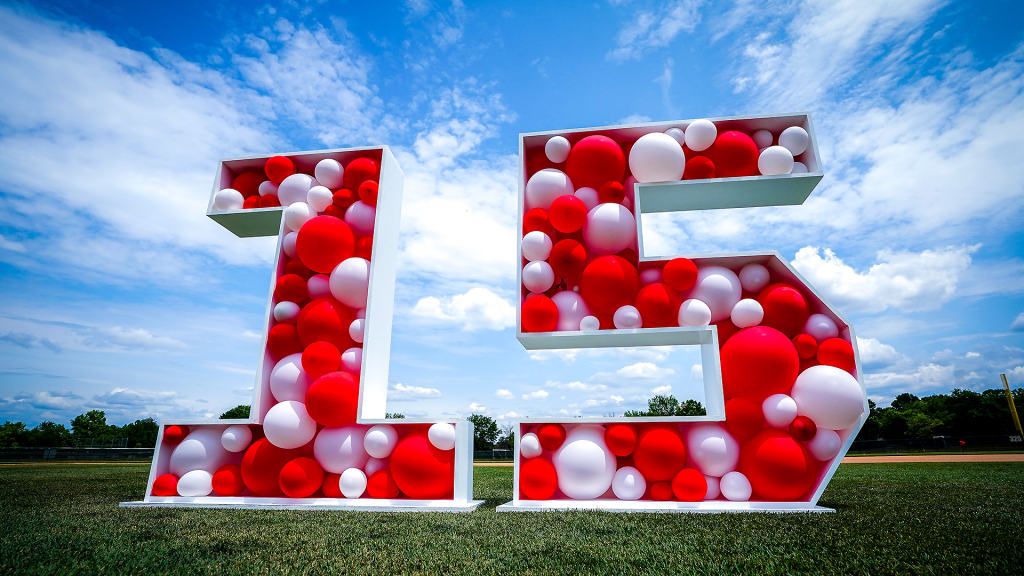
[
  {"x": 361, "y": 313},
  {"x": 228, "y": 199},
  {"x": 610, "y": 228},
  {"x": 195, "y": 484},
  {"x": 762, "y": 138},
  {"x": 700, "y": 135},
  {"x": 319, "y": 198},
  {"x": 200, "y": 450},
  {"x": 330, "y": 173},
  {"x": 350, "y": 282},
  {"x": 677, "y": 134},
  {"x": 557, "y": 149},
  {"x": 268, "y": 188},
  {"x": 538, "y": 276},
  {"x": 712, "y": 449},
  {"x": 628, "y": 204},
  {"x": 529, "y": 445},
  {"x": 286, "y": 312},
  {"x": 380, "y": 441},
  {"x": 543, "y": 187},
  {"x": 630, "y": 187},
  {"x": 294, "y": 189},
  {"x": 775, "y": 160},
  {"x": 352, "y": 483},
  {"x": 318, "y": 286},
  {"x": 828, "y": 395},
  {"x": 714, "y": 487},
  {"x": 357, "y": 329},
  {"x": 288, "y": 244},
  {"x": 236, "y": 438},
  {"x": 747, "y": 312},
  {"x": 297, "y": 214},
  {"x": 799, "y": 168},
  {"x": 590, "y": 198},
  {"x": 339, "y": 448},
  {"x": 719, "y": 288},
  {"x": 583, "y": 463},
  {"x": 288, "y": 425},
  {"x": 779, "y": 410},
  {"x": 589, "y": 323},
  {"x": 352, "y": 360},
  {"x": 754, "y": 277},
  {"x": 821, "y": 327},
  {"x": 651, "y": 276},
  {"x": 794, "y": 139},
  {"x": 442, "y": 436},
  {"x": 288, "y": 381},
  {"x": 694, "y": 313},
  {"x": 572, "y": 309},
  {"x": 657, "y": 157},
  {"x": 360, "y": 216},
  {"x": 825, "y": 444},
  {"x": 628, "y": 483},
  {"x": 375, "y": 464},
  {"x": 627, "y": 318},
  {"x": 736, "y": 487},
  {"x": 536, "y": 245}
]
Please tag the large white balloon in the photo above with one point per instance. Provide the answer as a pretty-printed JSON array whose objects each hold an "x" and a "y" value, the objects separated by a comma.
[
  {"x": 352, "y": 483},
  {"x": 700, "y": 135},
  {"x": 825, "y": 444},
  {"x": 288, "y": 381},
  {"x": 736, "y": 487},
  {"x": 341, "y": 447},
  {"x": 712, "y": 449},
  {"x": 719, "y": 288},
  {"x": 821, "y": 327},
  {"x": 529, "y": 445},
  {"x": 754, "y": 277},
  {"x": 628, "y": 484},
  {"x": 360, "y": 217},
  {"x": 572, "y": 309},
  {"x": 677, "y": 134},
  {"x": 557, "y": 149},
  {"x": 714, "y": 487},
  {"x": 536, "y": 245},
  {"x": 330, "y": 173},
  {"x": 584, "y": 464},
  {"x": 236, "y": 438},
  {"x": 828, "y": 395},
  {"x": 546, "y": 185},
  {"x": 318, "y": 286},
  {"x": 200, "y": 450},
  {"x": 538, "y": 276},
  {"x": 288, "y": 244},
  {"x": 746, "y": 313},
  {"x": 775, "y": 160},
  {"x": 694, "y": 313},
  {"x": 297, "y": 214},
  {"x": 228, "y": 199},
  {"x": 627, "y": 318},
  {"x": 657, "y": 157},
  {"x": 380, "y": 440},
  {"x": 286, "y": 312},
  {"x": 350, "y": 282},
  {"x": 195, "y": 484},
  {"x": 288, "y": 425},
  {"x": 762, "y": 138},
  {"x": 779, "y": 410},
  {"x": 610, "y": 228},
  {"x": 268, "y": 188},
  {"x": 794, "y": 139},
  {"x": 352, "y": 360},
  {"x": 589, "y": 197},
  {"x": 294, "y": 189},
  {"x": 442, "y": 436},
  {"x": 319, "y": 198}
]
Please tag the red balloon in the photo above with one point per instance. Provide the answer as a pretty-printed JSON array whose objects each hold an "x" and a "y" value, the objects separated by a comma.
[
  {"x": 175, "y": 434},
  {"x": 803, "y": 428},
  {"x": 806, "y": 363},
  {"x": 689, "y": 485},
  {"x": 806, "y": 346},
  {"x": 734, "y": 154},
  {"x": 381, "y": 485},
  {"x": 332, "y": 399},
  {"x": 621, "y": 439},
  {"x": 595, "y": 160},
  {"x": 269, "y": 201},
  {"x": 611, "y": 192},
  {"x": 291, "y": 288},
  {"x": 319, "y": 358},
  {"x": 699, "y": 168},
  {"x": 421, "y": 470},
  {"x": 661, "y": 491},
  {"x": 248, "y": 183},
  {"x": 344, "y": 198},
  {"x": 332, "y": 486},
  {"x": 680, "y": 273},
  {"x": 368, "y": 192},
  {"x": 328, "y": 320},
  {"x": 278, "y": 168},
  {"x": 725, "y": 331},
  {"x": 261, "y": 467},
  {"x": 251, "y": 202},
  {"x": 567, "y": 213},
  {"x": 779, "y": 468},
  {"x": 364, "y": 248},
  {"x": 608, "y": 283},
  {"x": 324, "y": 242},
  {"x": 283, "y": 340},
  {"x": 785, "y": 308},
  {"x": 165, "y": 485},
  {"x": 551, "y": 436},
  {"x": 537, "y": 479},
  {"x": 227, "y": 480},
  {"x": 658, "y": 304},
  {"x": 334, "y": 211},
  {"x": 659, "y": 453},
  {"x": 301, "y": 478},
  {"x": 568, "y": 259},
  {"x": 539, "y": 314},
  {"x": 758, "y": 362},
  {"x": 298, "y": 268},
  {"x": 743, "y": 418},
  {"x": 538, "y": 161},
  {"x": 536, "y": 220},
  {"x": 359, "y": 171},
  {"x": 837, "y": 352}
]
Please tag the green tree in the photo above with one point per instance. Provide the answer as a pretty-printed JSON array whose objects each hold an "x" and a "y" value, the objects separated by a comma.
[
  {"x": 240, "y": 411},
  {"x": 50, "y": 435},
  {"x": 669, "y": 406},
  {"x": 12, "y": 434},
  {"x": 872, "y": 427},
  {"x": 507, "y": 437},
  {"x": 485, "y": 431},
  {"x": 922, "y": 425},
  {"x": 691, "y": 408},
  {"x": 92, "y": 424},
  {"x": 141, "y": 433},
  {"x": 904, "y": 401}
]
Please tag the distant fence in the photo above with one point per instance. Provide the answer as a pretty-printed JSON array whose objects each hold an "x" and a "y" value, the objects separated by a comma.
[
  {"x": 73, "y": 454},
  {"x": 938, "y": 444},
  {"x": 496, "y": 454}
]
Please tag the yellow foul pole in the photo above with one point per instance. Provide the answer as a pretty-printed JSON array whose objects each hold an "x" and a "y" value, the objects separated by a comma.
[{"x": 1013, "y": 408}]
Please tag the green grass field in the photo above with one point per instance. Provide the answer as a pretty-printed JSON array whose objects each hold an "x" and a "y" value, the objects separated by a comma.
[{"x": 890, "y": 519}]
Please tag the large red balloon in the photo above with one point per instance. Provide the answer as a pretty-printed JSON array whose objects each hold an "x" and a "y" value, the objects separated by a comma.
[
  {"x": 319, "y": 358},
  {"x": 328, "y": 320},
  {"x": 536, "y": 220},
  {"x": 785, "y": 308},
  {"x": 699, "y": 168},
  {"x": 324, "y": 242},
  {"x": 227, "y": 480},
  {"x": 291, "y": 288},
  {"x": 568, "y": 259},
  {"x": 539, "y": 314},
  {"x": 421, "y": 470},
  {"x": 359, "y": 171},
  {"x": 567, "y": 213},
  {"x": 381, "y": 484},
  {"x": 609, "y": 283},
  {"x": 261, "y": 467},
  {"x": 837, "y": 352},
  {"x": 283, "y": 340},
  {"x": 726, "y": 329},
  {"x": 734, "y": 154},
  {"x": 620, "y": 438},
  {"x": 332, "y": 399},
  {"x": 332, "y": 486},
  {"x": 659, "y": 453},
  {"x": 595, "y": 160},
  {"x": 779, "y": 468},
  {"x": 658, "y": 305},
  {"x": 689, "y": 485},
  {"x": 165, "y": 485},
  {"x": 537, "y": 479},
  {"x": 301, "y": 478},
  {"x": 743, "y": 417},
  {"x": 175, "y": 434},
  {"x": 551, "y": 436},
  {"x": 248, "y": 183},
  {"x": 758, "y": 362},
  {"x": 278, "y": 168},
  {"x": 680, "y": 273}
]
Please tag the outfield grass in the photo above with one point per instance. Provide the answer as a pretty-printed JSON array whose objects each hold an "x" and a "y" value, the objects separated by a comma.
[{"x": 890, "y": 519}]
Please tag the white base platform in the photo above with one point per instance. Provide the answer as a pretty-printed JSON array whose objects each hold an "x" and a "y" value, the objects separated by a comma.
[
  {"x": 712, "y": 507},
  {"x": 339, "y": 504}
]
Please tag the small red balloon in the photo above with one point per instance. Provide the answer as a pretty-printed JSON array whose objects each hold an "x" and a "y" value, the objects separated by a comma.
[
  {"x": 539, "y": 314},
  {"x": 803, "y": 428},
  {"x": 291, "y": 288},
  {"x": 332, "y": 486},
  {"x": 368, "y": 192},
  {"x": 595, "y": 160},
  {"x": 334, "y": 212},
  {"x": 611, "y": 192},
  {"x": 837, "y": 352},
  {"x": 609, "y": 283},
  {"x": 227, "y": 480},
  {"x": 743, "y": 418},
  {"x": 261, "y": 467},
  {"x": 567, "y": 214},
  {"x": 659, "y": 453},
  {"x": 568, "y": 259},
  {"x": 785, "y": 308},
  {"x": 536, "y": 220},
  {"x": 248, "y": 183},
  {"x": 283, "y": 340},
  {"x": 344, "y": 198},
  {"x": 298, "y": 268},
  {"x": 806, "y": 345},
  {"x": 278, "y": 168},
  {"x": 734, "y": 154},
  {"x": 359, "y": 171},
  {"x": 680, "y": 273},
  {"x": 757, "y": 362},
  {"x": 621, "y": 439},
  {"x": 661, "y": 491},
  {"x": 658, "y": 304},
  {"x": 319, "y": 358},
  {"x": 699, "y": 168},
  {"x": 328, "y": 320},
  {"x": 251, "y": 202},
  {"x": 421, "y": 470},
  {"x": 537, "y": 479},
  {"x": 175, "y": 434},
  {"x": 551, "y": 436},
  {"x": 779, "y": 468},
  {"x": 165, "y": 485},
  {"x": 269, "y": 201},
  {"x": 689, "y": 485},
  {"x": 381, "y": 484},
  {"x": 364, "y": 248},
  {"x": 324, "y": 242},
  {"x": 301, "y": 478},
  {"x": 332, "y": 399}
]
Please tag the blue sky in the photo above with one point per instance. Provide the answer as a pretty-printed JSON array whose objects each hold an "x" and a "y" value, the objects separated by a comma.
[{"x": 118, "y": 294}]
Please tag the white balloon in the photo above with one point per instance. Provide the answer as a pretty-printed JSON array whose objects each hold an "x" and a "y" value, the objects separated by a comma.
[
  {"x": 557, "y": 149},
  {"x": 318, "y": 286},
  {"x": 584, "y": 464},
  {"x": 627, "y": 318},
  {"x": 536, "y": 245},
  {"x": 529, "y": 445},
  {"x": 195, "y": 484},
  {"x": 714, "y": 487},
  {"x": 779, "y": 410},
  {"x": 628, "y": 204},
  {"x": 375, "y": 464},
  {"x": 236, "y": 438},
  {"x": 357, "y": 329},
  {"x": 228, "y": 199},
  {"x": 794, "y": 139},
  {"x": 286, "y": 312},
  {"x": 268, "y": 188},
  {"x": 380, "y": 441},
  {"x": 754, "y": 277},
  {"x": 297, "y": 214},
  {"x": 821, "y": 327},
  {"x": 712, "y": 449},
  {"x": 350, "y": 282},
  {"x": 288, "y": 381},
  {"x": 775, "y": 160},
  {"x": 700, "y": 135},
  {"x": 546, "y": 185},
  {"x": 828, "y": 395},
  {"x": 628, "y": 483},
  {"x": 651, "y": 276},
  {"x": 330, "y": 173},
  {"x": 799, "y": 168},
  {"x": 360, "y": 216},
  {"x": 590, "y": 323},
  {"x": 719, "y": 288},
  {"x": 746, "y": 313},
  {"x": 200, "y": 450},
  {"x": 590, "y": 197},
  {"x": 825, "y": 444},
  {"x": 442, "y": 436},
  {"x": 288, "y": 425},
  {"x": 630, "y": 187},
  {"x": 572, "y": 309},
  {"x": 762, "y": 138},
  {"x": 677, "y": 134},
  {"x": 736, "y": 487},
  {"x": 538, "y": 276},
  {"x": 352, "y": 483},
  {"x": 610, "y": 228},
  {"x": 352, "y": 360},
  {"x": 319, "y": 198},
  {"x": 694, "y": 313},
  {"x": 361, "y": 313},
  {"x": 294, "y": 189},
  {"x": 288, "y": 244},
  {"x": 657, "y": 157},
  {"x": 341, "y": 447}
]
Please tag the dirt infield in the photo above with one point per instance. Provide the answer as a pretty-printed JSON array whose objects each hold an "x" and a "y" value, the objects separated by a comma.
[{"x": 934, "y": 458}]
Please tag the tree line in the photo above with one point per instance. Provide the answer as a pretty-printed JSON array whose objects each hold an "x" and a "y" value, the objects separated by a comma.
[{"x": 92, "y": 424}]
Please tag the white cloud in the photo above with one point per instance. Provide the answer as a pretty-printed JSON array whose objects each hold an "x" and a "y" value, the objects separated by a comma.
[
  {"x": 567, "y": 355},
  {"x": 1018, "y": 323},
  {"x": 662, "y": 390},
  {"x": 504, "y": 394},
  {"x": 697, "y": 372},
  {"x": 402, "y": 392},
  {"x": 1016, "y": 374},
  {"x": 536, "y": 395},
  {"x": 645, "y": 370},
  {"x": 130, "y": 339},
  {"x": 477, "y": 309},
  {"x": 476, "y": 408},
  {"x": 509, "y": 416},
  {"x": 650, "y": 30},
  {"x": 576, "y": 386},
  {"x": 875, "y": 354},
  {"x": 925, "y": 377},
  {"x": 11, "y": 245}
]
